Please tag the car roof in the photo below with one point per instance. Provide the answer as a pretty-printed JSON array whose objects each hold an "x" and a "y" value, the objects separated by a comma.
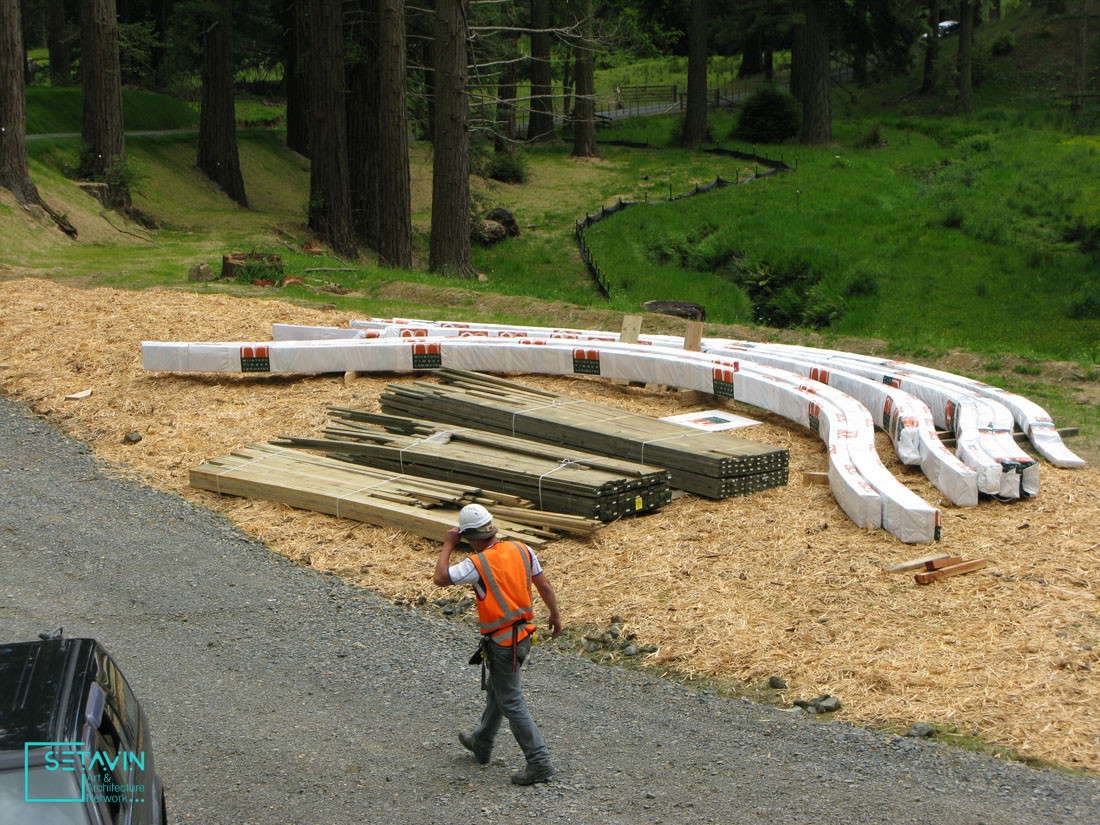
[{"x": 43, "y": 686}]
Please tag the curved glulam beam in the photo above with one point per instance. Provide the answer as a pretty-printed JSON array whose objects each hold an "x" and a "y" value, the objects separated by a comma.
[
  {"x": 863, "y": 487},
  {"x": 984, "y": 439},
  {"x": 906, "y": 419}
]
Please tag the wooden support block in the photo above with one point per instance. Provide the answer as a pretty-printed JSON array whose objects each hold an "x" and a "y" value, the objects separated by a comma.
[
  {"x": 632, "y": 325},
  {"x": 814, "y": 478},
  {"x": 349, "y": 377},
  {"x": 954, "y": 570},
  {"x": 693, "y": 338},
  {"x": 914, "y": 564},
  {"x": 688, "y": 398}
]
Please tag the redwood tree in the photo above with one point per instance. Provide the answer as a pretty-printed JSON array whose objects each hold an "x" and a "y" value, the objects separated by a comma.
[
  {"x": 932, "y": 48},
  {"x": 817, "y": 125},
  {"x": 695, "y": 119},
  {"x": 292, "y": 20},
  {"x": 449, "y": 252},
  {"x": 540, "y": 123},
  {"x": 102, "y": 127},
  {"x": 965, "y": 57},
  {"x": 57, "y": 40},
  {"x": 394, "y": 186},
  {"x": 584, "y": 107},
  {"x": 364, "y": 121},
  {"x": 329, "y": 199},
  {"x": 14, "y": 170},
  {"x": 217, "y": 154}
]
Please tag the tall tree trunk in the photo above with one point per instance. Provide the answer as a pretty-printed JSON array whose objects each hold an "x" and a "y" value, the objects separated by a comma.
[
  {"x": 695, "y": 119},
  {"x": 394, "y": 185},
  {"x": 797, "y": 84},
  {"x": 966, "y": 51},
  {"x": 584, "y": 108},
  {"x": 330, "y": 203},
  {"x": 57, "y": 40},
  {"x": 217, "y": 154},
  {"x": 364, "y": 120},
  {"x": 540, "y": 123},
  {"x": 931, "y": 48},
  {"x": 449, "y": 252},
  {"x": 505, "y": 132},
  {"x": 752, "y": 54},
  {"x": 861, "y": 45},
  {"x": 1080, "y": 67},
  {"x": 292, "y": 19},
  {"x": 102, "y": 127},
  {"x": 159, "y": 55},
  {"x": 14, "y": 168},
  {"x": 817, "y": 125}
]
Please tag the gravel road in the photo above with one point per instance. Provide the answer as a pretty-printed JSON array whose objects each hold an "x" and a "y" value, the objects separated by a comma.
[{"x": 281, "y": 695}]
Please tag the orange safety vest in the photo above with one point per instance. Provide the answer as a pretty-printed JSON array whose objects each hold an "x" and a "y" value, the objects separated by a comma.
[{"x": 505, "y": 570}]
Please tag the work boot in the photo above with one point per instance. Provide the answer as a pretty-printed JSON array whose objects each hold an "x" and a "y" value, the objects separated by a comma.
[
  {"x": 529, "y": 775},
  {"x": 481, "y": 755}
]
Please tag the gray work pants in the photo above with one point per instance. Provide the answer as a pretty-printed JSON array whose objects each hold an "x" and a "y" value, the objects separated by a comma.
[{"x": 504, "y": 699}]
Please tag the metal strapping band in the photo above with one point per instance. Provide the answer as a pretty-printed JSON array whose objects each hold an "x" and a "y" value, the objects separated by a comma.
[
  {"x": 565, "y": 462},
  {"x": 641, "y": 456},
  {"x": 441, "y": 437}
]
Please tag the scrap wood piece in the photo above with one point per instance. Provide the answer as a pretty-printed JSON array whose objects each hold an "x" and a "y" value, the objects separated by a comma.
[
  {"x": 914, "y": 564},
  {"x": 930, "y": 576}
]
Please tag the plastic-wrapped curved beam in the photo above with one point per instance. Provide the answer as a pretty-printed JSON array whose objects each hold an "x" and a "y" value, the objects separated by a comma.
[{"x": 863, "y": 487}]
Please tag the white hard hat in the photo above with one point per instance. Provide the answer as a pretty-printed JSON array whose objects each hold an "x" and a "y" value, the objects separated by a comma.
[{"x": 475, "y": 522}]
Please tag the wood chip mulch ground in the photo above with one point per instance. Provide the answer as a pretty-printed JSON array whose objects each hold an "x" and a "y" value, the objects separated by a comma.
[{"x": 779, "y": 583}]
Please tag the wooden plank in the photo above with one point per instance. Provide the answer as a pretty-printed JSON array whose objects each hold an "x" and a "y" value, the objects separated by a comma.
[
  {"x": 814, "y": 478},
  {"x": 416, "y": 505},
  {"x": 693, "y": 337},
  {"x": 473, "y": 400},
  {"x": 939, "y": 564},
  {"x": 954, "y": 570},
  {"x": 632, "y": 327},
  {"x": 913, "y": 564}
]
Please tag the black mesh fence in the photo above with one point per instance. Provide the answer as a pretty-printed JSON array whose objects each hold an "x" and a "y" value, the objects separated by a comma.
[{"x": 772, "y": 167}]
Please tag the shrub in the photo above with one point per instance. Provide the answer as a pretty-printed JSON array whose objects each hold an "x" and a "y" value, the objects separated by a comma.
[
  {"x": 1003, "y": 44},
  {"x": 508, "y": 167},
  {"x": 1086, "y": 306},
  {"x": 861, "y": 283},
  {"x": 770, "y": 115}
]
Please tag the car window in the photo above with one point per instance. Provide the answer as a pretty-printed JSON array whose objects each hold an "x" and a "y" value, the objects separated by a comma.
[{"x": 120, "y": 697}]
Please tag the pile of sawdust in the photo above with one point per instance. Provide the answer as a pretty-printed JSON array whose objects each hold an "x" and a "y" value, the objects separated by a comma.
[{"x": 779, "y": 583}]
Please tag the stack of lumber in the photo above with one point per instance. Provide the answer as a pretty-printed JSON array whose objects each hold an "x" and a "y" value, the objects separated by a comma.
[
  {"x": 715, "y": 465},
  {"x": 416, "y": 505},
  {"x": 553, "y": 478}
]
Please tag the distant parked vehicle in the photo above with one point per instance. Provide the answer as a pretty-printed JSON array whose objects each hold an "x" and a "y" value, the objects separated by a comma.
[
  {"x": 74, "y": 742},
  {"x": 944, "y": 29}
]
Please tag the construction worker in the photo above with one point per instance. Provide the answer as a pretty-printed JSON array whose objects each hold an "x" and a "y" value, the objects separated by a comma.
[{"x": 501, "y": 573}]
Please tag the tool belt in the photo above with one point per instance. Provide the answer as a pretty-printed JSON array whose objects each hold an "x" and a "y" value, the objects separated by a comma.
[{"x": 481, "y": 655}]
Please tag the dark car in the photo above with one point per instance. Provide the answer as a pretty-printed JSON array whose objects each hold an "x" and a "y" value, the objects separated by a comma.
[{"x": 74, "y": 742}]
